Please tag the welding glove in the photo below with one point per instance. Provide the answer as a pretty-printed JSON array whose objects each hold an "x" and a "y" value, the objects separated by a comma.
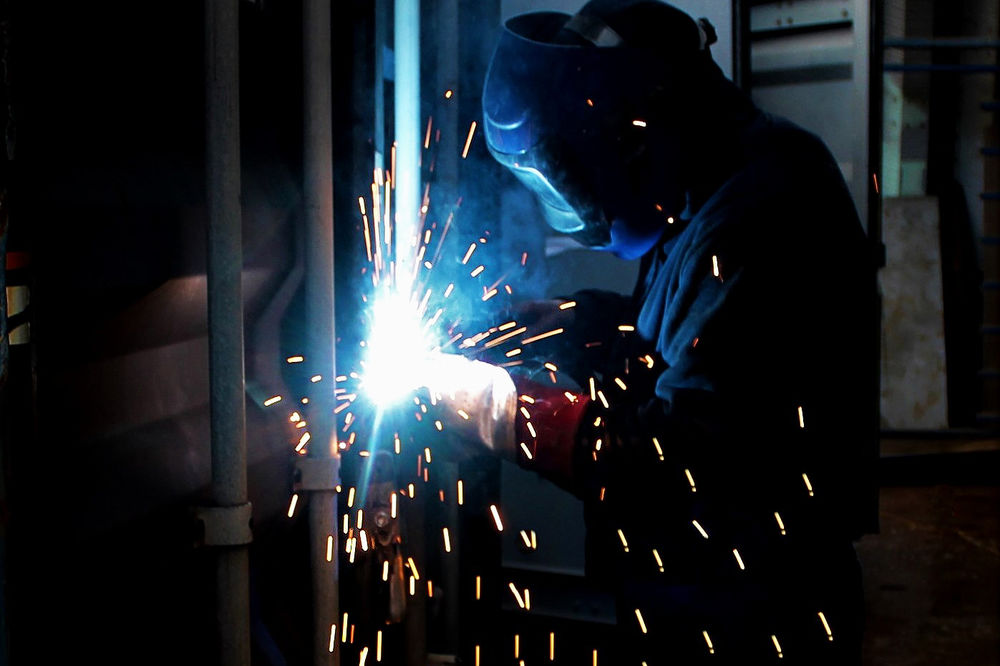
[{"x": 478, "y": 401}]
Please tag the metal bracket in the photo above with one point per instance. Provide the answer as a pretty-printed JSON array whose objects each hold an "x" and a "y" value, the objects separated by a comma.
[
  {"x": 317, "y": 473},
  {"x": 225, "y": 525}
]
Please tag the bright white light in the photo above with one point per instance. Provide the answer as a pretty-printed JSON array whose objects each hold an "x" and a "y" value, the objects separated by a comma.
[{"x": 398, "y": 348}]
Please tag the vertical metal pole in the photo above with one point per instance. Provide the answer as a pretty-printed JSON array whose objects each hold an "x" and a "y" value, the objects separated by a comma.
[
  {"x": 447, "y": 27},
  {"x": 406, "y": 40},
  {"x": 225, "y": 317},
  {"x": 318, "y": 198},
  {"x": 378, "y": 90}
]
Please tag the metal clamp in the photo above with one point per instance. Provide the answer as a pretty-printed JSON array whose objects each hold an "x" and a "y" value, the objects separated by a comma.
[
  {"x": 225, "y": 525},
  {"x": 317, "y": 473}
]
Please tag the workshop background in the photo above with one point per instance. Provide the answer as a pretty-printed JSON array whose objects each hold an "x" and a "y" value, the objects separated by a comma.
[{"x": 104, "y": 384}]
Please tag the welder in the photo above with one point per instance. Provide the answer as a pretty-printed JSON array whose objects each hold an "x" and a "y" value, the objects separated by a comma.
[{"x": 720, "y": 424}]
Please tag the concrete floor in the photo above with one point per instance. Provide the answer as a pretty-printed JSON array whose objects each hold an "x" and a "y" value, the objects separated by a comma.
[{"x": 932, "y": 577}]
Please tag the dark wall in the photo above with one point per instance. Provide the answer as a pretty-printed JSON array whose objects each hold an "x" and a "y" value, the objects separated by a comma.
[{"x": 105, "y": 424}]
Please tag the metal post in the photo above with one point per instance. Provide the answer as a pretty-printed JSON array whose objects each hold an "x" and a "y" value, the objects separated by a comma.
[
  {"x": 318, "y": 205},
  {"x": 225, "y": 319},
  {"x": 406, "y": 41}
]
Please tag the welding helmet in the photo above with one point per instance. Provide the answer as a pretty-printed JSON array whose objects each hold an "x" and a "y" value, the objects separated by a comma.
[{"x": 589, "y": 112}]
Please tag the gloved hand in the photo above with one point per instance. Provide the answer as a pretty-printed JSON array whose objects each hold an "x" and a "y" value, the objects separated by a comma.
[{"x": 477, "y": 401}]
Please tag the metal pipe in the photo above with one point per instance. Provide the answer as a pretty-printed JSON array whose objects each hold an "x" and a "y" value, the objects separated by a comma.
[
  {"x": 941, "y": 43},
  {"x": 406, "y": 43},
  {"x": 318, "y": 209},
  {"x": 225, "y": 318}
]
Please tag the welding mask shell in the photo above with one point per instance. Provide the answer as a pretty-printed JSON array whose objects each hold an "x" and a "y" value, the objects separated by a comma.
[{"x": 570, "y": 122}]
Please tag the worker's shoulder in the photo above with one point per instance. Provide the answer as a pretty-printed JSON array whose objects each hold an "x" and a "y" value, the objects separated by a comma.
[{"x": 778, "y": 145}]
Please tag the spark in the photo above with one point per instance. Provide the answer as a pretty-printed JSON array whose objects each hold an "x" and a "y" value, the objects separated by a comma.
[
  {"x": 393, "y": 505},
  {"x": 350, "y": 497},
  {"x": 333, "y": 637},
  {"x": 527, "y": 452},
  {"x": 477, "y": 270},
  {"x": 541, "y": 336},
  {"x": 626, "y": 328},
  {"x": 528, "y": 399},
  {"x": 378, "y": 646},
  {"x": 513, "y": 352},
  {"x": 642, "y": 624},
  {"x": 659, "y": 562},
  {"x": 690, "y": 479},
  {"x": 593, "y": 389},
  {"x": 875, "y": 181},
  {"x": 329, "y": 548},
  {"x": 802, "y": 421},
  {"x": 715, "y": 265},
  {"x": 496, "y": 341},
  {"x": 468, "y": 253},
  {"x": 517, "y": 595},
  {"x": 777, "y": 646},
  {"x": 620, "y": 383},
  {"x": 552, "y": 646},
  {"x": 272, "y": 400},
  {"x": 447, "y": 539},
  {"x": 302, "y": 441},
  {"x": 517, "y": 646},
  {"x": 295, "y": 359},
  {"x": 826, "y": 626},
  {"x": 551, "y": 366},
  {"x": 809, "y": 485},
  {"x": 427, "y": 136},
  {"x": 364, "y": 656},
  {"x": 700, "y": 529},
  {"x": 343, "y": 639},
  {"x": 464, "y": 414},
  {"x": 479, "y": 585},
  {"x": 621, "y": 535},
  {"x": 468, "y": 140},
  {"x": 524, "y": 411},
  {"x": 449, "y": 289},
  {"x": 531, "y": 429},
  {"x": 739, "y": 560},
  {"x": 292, "y": 504},
  {"x": 604, "y": 401},
  {"x": 490, "y": 294},
  {"x": 781, "y": 524},
  {"x": 413, "y": 567},
  {"x": 385, "y": 570},
  {"x": 648, "y": 361},
  {"x": 361, "y": 518},
  {"x": 461, "y": 492},
  {"x": 567, "y": 305},
  {"x": 496, "y": 517},
  {"x": 639, "y": 123},
  {"x": 708, "y": 642}
]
